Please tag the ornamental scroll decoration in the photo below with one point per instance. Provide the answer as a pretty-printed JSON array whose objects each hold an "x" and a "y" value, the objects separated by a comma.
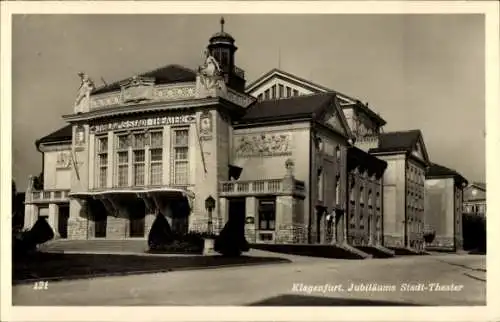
[
  {"x": 263, "y": 145},
  {"x": 137, "y": 89}
]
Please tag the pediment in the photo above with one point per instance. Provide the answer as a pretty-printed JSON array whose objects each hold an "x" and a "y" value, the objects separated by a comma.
[
  {"x": 290, "y": 85},
  {"x": 419, "y": 150},
  {"x": 334, "y": 118}
]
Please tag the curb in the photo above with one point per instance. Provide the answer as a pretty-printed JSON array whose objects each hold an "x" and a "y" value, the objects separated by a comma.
[{"x": 156, "y": 271}]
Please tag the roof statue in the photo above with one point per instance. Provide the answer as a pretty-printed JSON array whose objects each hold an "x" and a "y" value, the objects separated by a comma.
[
  {"x": 82, "y": 102},
  {"x": 210, "y": 75}
]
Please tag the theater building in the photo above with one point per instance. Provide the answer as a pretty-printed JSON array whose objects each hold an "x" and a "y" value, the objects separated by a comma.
[
  {"x": 443, "y": 207},
  {"x": 298, "y": 162}
]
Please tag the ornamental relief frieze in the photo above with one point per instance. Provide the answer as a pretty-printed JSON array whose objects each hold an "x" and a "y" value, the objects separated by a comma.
[{"x": 267, "y": 144}]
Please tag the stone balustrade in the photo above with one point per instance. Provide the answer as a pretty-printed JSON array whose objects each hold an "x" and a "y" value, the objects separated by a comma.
[
  {"x": 47, "y": 196},
  {"x": 261, "y": 187}
]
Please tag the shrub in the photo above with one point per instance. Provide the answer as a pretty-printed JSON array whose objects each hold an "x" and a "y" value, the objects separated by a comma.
[
  {"x": 40, "y": 233},
  {"x": 231, "y": 241},
  {"x": 160, "y": 233}
]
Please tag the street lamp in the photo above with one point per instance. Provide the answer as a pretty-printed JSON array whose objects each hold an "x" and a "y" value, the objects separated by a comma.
[{"x": 209, "y": 206}]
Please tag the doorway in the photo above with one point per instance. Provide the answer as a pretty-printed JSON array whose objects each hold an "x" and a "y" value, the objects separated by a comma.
[
  {"x": 237, "y": 210},
  {"x": 100, "y": 217},
  {"x": 137, "y": 214},
  {"x": 63, "y": 221}
]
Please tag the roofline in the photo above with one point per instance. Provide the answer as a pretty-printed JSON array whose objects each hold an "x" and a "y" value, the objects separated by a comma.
[
  {"x": 256, "y": 82},
  {"x": 274, "y": 120}
]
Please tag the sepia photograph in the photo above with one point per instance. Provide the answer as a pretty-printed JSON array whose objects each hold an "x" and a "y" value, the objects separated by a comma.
[{"x": 248, "y": 159}]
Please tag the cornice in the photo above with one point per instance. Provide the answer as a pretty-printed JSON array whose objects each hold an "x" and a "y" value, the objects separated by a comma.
[{"x": 140, "y": 108}]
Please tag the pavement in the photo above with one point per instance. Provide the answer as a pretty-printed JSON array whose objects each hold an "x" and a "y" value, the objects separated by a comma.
[{"x": 449, "y": 279}]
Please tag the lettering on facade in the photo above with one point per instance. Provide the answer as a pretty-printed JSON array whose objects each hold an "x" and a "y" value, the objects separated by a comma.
[
  {"x": 263, "y": 145},
  {"x": 149, "y": 122}
]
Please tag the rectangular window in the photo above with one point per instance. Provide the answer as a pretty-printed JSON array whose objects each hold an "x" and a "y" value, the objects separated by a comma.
[
  {"x": 102, "y": 156},
  {"x": 288, "y": 92},
  {"x": 295, "y": 92},
  {"x": 267, "y": 214},
  {"x": 273, "y": 92},
  {"x": 266, "y": 94},
  {"x": 156, "y": 158},
  {"x": 281, "y": 91},
  {"x": 122, "y": 160},
  {"x": 139, "y": 158},
  {"x": 181, "y": 156}
]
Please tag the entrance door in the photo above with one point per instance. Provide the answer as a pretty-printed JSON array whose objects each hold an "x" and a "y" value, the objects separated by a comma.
[
  {"x": 100, "y": 217},
  {"x": 237, "y": 212},
  {"x": 63, "y": 221},
  {"x": 137, "y": 213}
]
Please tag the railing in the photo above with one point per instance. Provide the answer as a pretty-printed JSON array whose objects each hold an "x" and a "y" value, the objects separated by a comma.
[
  {"x": 47, "y": 196},
  {"x": 252, "y": 187}
]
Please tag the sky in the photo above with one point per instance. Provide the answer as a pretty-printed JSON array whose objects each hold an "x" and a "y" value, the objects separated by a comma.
[{"x": 417, "y": 71}]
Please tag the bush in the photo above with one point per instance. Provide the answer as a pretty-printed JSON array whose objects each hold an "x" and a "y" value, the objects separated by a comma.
[
  {"x": 160, "y": 233},
  {"x": 231, "y": 241},
  {"x": 162, "y": 238},
  {"x": 26, "y": 241}
]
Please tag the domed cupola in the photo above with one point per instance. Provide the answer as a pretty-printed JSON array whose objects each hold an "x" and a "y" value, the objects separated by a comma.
[{"x": 221, "y": 47}]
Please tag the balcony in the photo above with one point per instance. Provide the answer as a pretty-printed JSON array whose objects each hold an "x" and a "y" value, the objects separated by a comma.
[
  {"x": 262, "y": 187},
  {"x": 47, "y": 196}
]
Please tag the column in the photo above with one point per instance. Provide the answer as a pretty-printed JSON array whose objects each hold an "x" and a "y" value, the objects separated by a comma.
[
  {"x": 30, "y": 215},
  {"x": 54, "y": 218},
  {"x": 251, "y": 212},
  {"x": 222, "y": 215},
  {"x": 166, "y": 156}
]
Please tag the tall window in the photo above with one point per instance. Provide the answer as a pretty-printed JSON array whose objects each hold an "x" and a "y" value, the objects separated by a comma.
[
  {"x": 337, "y": 190},
  {"x": 281, "y": 91},
  {"x": 122, "y": 159},
  {"x": 295, "y": 92},
  {"x": 288, "y": 92},
  {"x": 361, "y": 196},
  {"x": 139, "y": 158},
  {"x": 320, "y": 184},
  {"x": 181, "y": 156},
  {"x": 102, "y": 156},
  {"x": 266, "y": 94},
  {"x": 156, "y": 158},
  {"x": 273, "y": 92},
  {"x": 267, "y": 214}
]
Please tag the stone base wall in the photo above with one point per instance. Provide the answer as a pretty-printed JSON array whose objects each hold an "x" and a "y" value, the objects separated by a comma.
[
  {"x": 291, "y": 234},
  {"x": 117, "y": 228},
  {"x": 442, "y": 242},
  {"x": 77, "y": 228},
  {"x": 394, "y": 241}
]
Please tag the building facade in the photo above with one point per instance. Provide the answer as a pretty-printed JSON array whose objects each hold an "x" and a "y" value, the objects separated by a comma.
[
  {"x": 443, "y": 207},
  {"x": 475, "y": 199},
  {"x": 300, "y": 163}
]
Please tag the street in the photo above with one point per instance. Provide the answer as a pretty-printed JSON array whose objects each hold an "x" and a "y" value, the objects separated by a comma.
[{"x": 449, "y": 279}]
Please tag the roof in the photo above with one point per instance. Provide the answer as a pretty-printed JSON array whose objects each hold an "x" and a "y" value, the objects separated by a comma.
[
  {"x": 287, "y": 108},
  {"x": 440, "y": 171},
  {"x": 397, "y": 141},
  {"x": 359, "y": 158},
  {"x": 480, "y": 185},
  {"x": 316, "y": 87},
  {"x": 163, "y": 75},
  {"x": 63, "y": 134}
]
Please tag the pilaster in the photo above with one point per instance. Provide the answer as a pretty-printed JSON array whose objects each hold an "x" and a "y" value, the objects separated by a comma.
[
  {"x": 54, "y": 219},
  {"x": 30, "y": 215}
]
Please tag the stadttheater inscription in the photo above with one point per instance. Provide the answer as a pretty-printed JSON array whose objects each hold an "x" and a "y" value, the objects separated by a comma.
[{"x": 149, "y": 122}]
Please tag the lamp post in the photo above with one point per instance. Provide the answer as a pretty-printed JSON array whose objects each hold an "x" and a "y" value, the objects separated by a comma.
[{"x": 209, "y": 206}]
